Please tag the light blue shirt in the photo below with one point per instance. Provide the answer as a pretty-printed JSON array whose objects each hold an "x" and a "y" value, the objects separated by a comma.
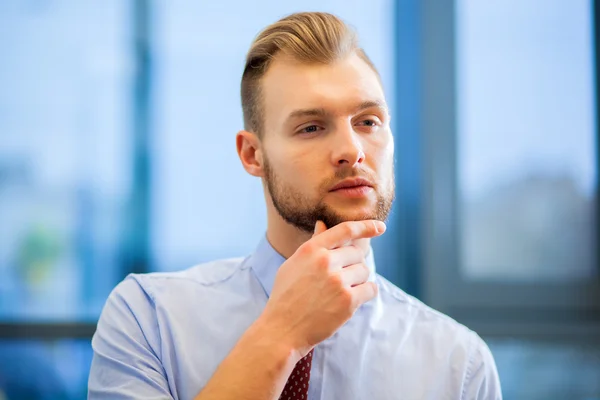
[{"x": 162, "y": 335}]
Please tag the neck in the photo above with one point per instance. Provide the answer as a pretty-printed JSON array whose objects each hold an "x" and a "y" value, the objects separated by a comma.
[{"x": 284, "y": 238}]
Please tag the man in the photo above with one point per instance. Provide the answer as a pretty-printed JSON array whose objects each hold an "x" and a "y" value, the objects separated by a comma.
[{"x": 305, "y": 316}]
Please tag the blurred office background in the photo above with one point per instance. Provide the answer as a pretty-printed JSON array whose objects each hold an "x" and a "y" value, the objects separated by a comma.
[{"x": 117, "y": 125}]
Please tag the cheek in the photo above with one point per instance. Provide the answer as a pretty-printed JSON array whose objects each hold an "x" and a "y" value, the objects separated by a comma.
[
  {"x": 295, "y": 166},
  {"x": 382, "y": 154}
]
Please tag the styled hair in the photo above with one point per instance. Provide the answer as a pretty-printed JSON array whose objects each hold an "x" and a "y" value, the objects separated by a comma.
[{"x": 307, "y": 37}]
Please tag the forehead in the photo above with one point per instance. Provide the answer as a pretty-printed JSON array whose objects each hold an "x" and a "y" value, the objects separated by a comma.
[{"x": 289, "y": 85}]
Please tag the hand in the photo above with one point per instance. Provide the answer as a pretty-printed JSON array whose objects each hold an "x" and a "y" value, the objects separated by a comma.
[{"x": 321, "y": 285}]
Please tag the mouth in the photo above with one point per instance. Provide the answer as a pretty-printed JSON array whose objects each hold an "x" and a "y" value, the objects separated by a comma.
[{"x": 355, "y": 187}]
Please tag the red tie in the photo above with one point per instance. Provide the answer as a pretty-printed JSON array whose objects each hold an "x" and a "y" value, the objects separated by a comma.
[{"x": 296, "y": 387}]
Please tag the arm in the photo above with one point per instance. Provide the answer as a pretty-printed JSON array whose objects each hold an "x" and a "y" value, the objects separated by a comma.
[
  {"x": 256, "y": 368},
  {"x": 315, "y": 292},
  {"x": 126, "y": 347},
  {"x": 126, "y": 365},
  {"x": 481, "y": 382}
]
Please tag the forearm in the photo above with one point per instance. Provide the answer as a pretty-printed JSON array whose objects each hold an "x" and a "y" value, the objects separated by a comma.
[{"x": 257, "y": 368}]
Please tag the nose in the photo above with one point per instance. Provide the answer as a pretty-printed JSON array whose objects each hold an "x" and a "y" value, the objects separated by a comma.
[{"x": 347, "y": 148}]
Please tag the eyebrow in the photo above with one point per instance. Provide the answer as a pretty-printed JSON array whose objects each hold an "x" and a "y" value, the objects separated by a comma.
[
  {"x": 321, "y": 112},
  {"x": 370, "y": 104}
]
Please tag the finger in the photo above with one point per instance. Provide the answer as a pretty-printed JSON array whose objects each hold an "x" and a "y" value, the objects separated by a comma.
[
  {"x": 364, "y": 292},
  {"x": 355, "y": 274},
  {"x": 345, "y": 256},
  {"x": 341, "y": 234},
  {"x": 320, "y": 227}
]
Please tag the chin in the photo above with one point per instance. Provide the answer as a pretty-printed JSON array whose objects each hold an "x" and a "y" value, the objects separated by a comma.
[
  {"x": 355, "y": 208},
  {"x": 357, "y": 215}
]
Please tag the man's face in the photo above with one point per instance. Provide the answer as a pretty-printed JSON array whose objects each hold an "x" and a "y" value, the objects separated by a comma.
[{"x": 326, "y": 126}]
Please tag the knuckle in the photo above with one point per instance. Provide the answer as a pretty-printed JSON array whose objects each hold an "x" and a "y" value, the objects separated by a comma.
[
  {"x": 350, "y": 228},
  {"x": 306, "y": 248},
  {"x": 323, "y": 259},
  {"x": 371, "y": 226},
  {"x": 365, "y": 269},
  {"x": 359, "y": 254},
  {"x": 346, "y": 300},
  {"x": 336, "y": 281}
]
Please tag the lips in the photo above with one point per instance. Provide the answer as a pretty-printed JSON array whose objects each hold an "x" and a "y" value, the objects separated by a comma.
[{"x": 351, "y": 183}]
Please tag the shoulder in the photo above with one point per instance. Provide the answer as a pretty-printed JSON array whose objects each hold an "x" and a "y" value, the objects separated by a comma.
[
  {"x": 135, "y": 300},
  {"x": 412, "y": 308},
  {"x": 444, "y": 335},
  {"x": 205, "y": 274},
  {"x": 399, "y": 304}
]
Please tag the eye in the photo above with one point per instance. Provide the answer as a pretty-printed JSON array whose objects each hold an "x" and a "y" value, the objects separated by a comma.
[
  {"x": 369, "y": 123},
  {"x": 310, "y": 129}
]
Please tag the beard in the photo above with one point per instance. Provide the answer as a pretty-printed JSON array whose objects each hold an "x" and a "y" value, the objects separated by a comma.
[{"x": 300, "y": 211}]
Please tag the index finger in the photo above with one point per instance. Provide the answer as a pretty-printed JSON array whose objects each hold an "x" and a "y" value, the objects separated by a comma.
[{"x": 341, "y": 234}]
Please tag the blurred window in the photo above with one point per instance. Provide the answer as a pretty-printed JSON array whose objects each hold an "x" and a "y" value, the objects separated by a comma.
[
  {"x": 535, "y": 370},
  {"x": 64, "y": 155},
  {"x": 526, "y": 139},
  {"x": 510, "y": 140},
  {"x": 44, "y": 370}
]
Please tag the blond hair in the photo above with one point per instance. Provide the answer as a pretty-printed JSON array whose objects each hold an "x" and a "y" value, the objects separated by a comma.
[{"x": 307, "y": 37}]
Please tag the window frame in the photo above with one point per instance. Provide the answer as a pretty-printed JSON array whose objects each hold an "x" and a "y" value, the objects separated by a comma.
[{"x": 551, "y": 310}]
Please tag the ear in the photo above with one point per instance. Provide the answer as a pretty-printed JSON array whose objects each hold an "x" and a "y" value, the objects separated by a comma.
[{"x": 250, "y": 152}]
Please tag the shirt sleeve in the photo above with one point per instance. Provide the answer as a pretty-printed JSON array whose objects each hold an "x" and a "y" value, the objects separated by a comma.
[
  {"x": 126, "y": 362},
  {"x": 482, "y": 381}
]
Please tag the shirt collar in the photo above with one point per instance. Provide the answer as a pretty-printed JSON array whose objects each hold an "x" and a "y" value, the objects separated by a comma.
[{"x": 265, "y": 261}]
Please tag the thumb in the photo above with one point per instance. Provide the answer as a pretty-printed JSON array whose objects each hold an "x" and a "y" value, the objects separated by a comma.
[{"x": 320, "y": 227}]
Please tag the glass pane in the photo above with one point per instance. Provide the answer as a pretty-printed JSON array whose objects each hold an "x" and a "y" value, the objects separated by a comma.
[
  {"x": 526, "y": 129},
  {"x": 64, "y": 93},
  {"x": 35, "y": 370},
  {"x": 547, "y": 371},
  {"x": 205, "y": 206}
]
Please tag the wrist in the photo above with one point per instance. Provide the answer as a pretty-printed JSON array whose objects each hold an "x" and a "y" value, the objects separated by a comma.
[{"x": 271, "y": 341}]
